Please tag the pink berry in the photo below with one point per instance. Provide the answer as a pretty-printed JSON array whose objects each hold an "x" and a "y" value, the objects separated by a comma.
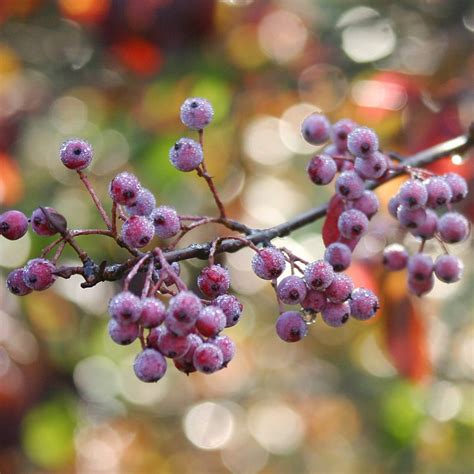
[
  {"x": 124, "y": 189},
  {"x": 352, "y": 224},
  {"x": 429, "y": 227},
  {"x": 362, "y": 142},
  {"x": 290, "y": 326},
  {"x": 413, "y": 194},
  {"x": 420, "y": 267},
  {"x": 153, "y": 312},
  {"x": 368, "y": 203},
  {"x": 292, "y": 290},
  {"x": 13, "y": 225},
  {"x": 125, "y": 307},
  {"x": 186, "y": 154},
  {"x": 439, "y": 192},
  {"x": 339, "y": 132},
  {"x": 372, "y": 167},
  {"x": 421, "y": 287},
  {"x": 144, "y": 204},
  {"x": 411, "y": 218},
  {"x": 448, "y": 268},
  {"x": 321, "y": 169},
  {"x": 340, "y": 289},
  {"x": 338, "y": 255},
  {"x": 76, "y": 154},
  {"x": 335, "y": 314},
  {"x": 16, "y": 283},
  {"x": 458, "y": 186},
  {"x": 268, "y": 263},
  {"x": 349, "y": 185},
  {"x": 185, "y": 307},
  {"x": 137, "y": 231},
  {"x": 453, "y": 227},
  {"x": 196, "y": 113},
  {"x": 40, "y": 224},
  {"x": 315, "y": 129},
  {"x": 226, "y": 345},
  {"x": 214, "y": 281},
  {"x": 318, "y": 275},
  {"x": 123, "y": 334},
  {"x": 231, "y": 307},
  {"x": 149, "y": 365},
  {"x": 208, "y": 358},
  {"x": 395, "y": 257},
  {"x": 166, "y": 222},
  {"x": 171, "y": 345},
  {"x": 39, "y": 274},
  {"x": 211, "y": 321},
  {"x": 314, "y": 302},
  {"x": 363, "y": 304}
]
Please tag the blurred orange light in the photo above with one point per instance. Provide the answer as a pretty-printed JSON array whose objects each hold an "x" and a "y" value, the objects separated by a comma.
[
  {"x": 85, "y": 11},
  {"x": 11, "y": 183},
  {"x": 140, "y": 56}
]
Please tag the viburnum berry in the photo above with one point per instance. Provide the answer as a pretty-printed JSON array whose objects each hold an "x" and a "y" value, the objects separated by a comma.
[
  {"x": 362, "y": 142},
  {"x": 349, "y": 185},
  {"x": 429, "y": 227},
  {"x": 150, "y": 365},
  {"x": 268, "y": 263},
  {"x": 314, "y": 302},
  {"x": 208, "y": 358},
  {"x": 178, "y": 328},
  {"x": 290, "y": 326},
  {"x": 39, "y": 274},
  {"x": 211, "y": 321},
  {"x": 372, "y": 167},
  {"x": 315, "y": 129},
  {"x": 292, "y": 290},
  {"x": 125, "y": 307},
  {"x": 137, "y": 231},
  {"x": 124, "y": 189},
  {"x": 338, "y": 255},
  {"x": 318, "y": 275},
  {"x": 411, "y": 218},
  {"x": 339, "y": 133},
  {"x": 335, "y": 314},
  {"x": 144, "y": 204},
  {"x": 321, "y": 169},
  {"x": 458, "y": 186},
  {"x": 171, "y": 345},
  {"x": 186, "y": 154},
  {"x": 413, "y": 194},
  {"x": 76, "y": 154},
  {"x": 185, "y": 307},
  {"x": 395, "y": 257},
  {"x": 453, "y": 227},
  {"x": 439, "y": 192},
  {"x": 226, "y": 345},
  {"x": 420, "y": 267},
  {"x": 153, "y": 312},
  {"x": 368, "y": 203},
  {"x": 213, "y": 281},
  {"x": 363, "y": 304},
  {"x": 340, "y": 289},
  {"x": 123, "y": 334},
  {"x": 448, "y": 268},
  {"x": 16, "y": 283},
  {"x": 196, "y": 113},
  {"x": 352, "y": 223},
  {"x": 185, "y": 363},
  {"x": 40, "y": 224},
  {"x": 13, "y": 224},
  {"x": 420, "y": 287},
  {"x": 231, "y": 307},
  {"x": 166, "y": 222}
]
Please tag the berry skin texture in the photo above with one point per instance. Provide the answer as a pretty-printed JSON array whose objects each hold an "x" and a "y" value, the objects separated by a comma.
[
  {"x": 16, "y": 284},
  {"x": 413, "y": 194},
  {"x": 76, "y": 154},
  {"x": 185, "y": 363},
  {"x": 125, "y": 307},
  {"x": 178, "y": 328},
  {"x": 153, "y": 312},
  {"x": 349, "y": 185},
  {"x": 314, "y": 302},
  {"x": 150, "y": 365},
  {"x": 453, "y": 227},
  {"x": 363, "y": 304},
  {"x": 439, "y": 192},
  {"x": 315, "y": 129},
  {"x": 290, "y": 326},
  {"x": 448, "y": 268},
  {"x": 40, "y": 224},
  {"x": 362, "y": 142},
  {"x": 420, "y": 267},
  {"x": 268, "y": 263},
  {"x": 340, "y": 289},
  {"x": 39, "y": 274},
  {"x": 214, "y": 281},
  {"x": 395, "y": 257},
  {"x": 226, "y": 345},
  {"x": 338, "y": 255},
  {"x": 429, "y": 227},
  {"x": 196, "y": 113},
  {"x": 231, "y": 307},
  {"x": 321, "y": 169},
  {"x": 420, "y": 287},
  {"x": 123, "y": 334},
  {"x": 171, "y": 345},
  {"x": 124, "y": 189},
  {"x": 335, "y": 314},
  {"x": 368, "y": 203},
  {"x": 144, "y": 204},
  {"x": 393, "y": 205},
  {"x": 339, "y": 133},
  {"x": 211, "y": 321},
  {"x": 411, "y": 218},
  {"x": 186, "y": 155},
  {"x": 292, "y": 290},
  {"x": 458, "y": 186},
  {"x": 137, "y": 231},
  {"x": 185, "y": 307},
  {"x": 166, "y": 222},
  {"x": 318, "y": 275},
  {"x": 208, "y": 358},
  {"x": 13, "y": 225},
  {"x": 352, "y": 224},
  {"x": 372, "y": 167}
]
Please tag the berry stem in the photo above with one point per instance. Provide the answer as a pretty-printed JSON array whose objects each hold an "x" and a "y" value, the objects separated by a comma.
[
  {"x": 114, "y": 218},
  {"x": 59, "y": 251},
  {"x": 281, "y": 306},
  {"x": 51, "y": 246},
  {"x": 134, "y": 271},
  {"x": 166, "y": 267},
  {"x": 148, "y": 279}
]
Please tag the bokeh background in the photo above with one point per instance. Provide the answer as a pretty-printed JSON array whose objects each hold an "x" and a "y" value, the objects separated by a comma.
[{"x": 394, "y": 395}]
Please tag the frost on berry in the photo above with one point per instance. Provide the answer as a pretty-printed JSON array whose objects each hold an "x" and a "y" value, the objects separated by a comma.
[
  {"x": 352, "y": 223},
  {"x": 122, "y": 334},
  {"x": 231, "y": 307},
  {"x": 362, "y": 142},
  {"x": 144, "y": 204},
  {"x": 39, "y": 274},
  {"x": 314, "y": 302},
  {"x": 453, "y": 227},
  {"x": 13, "y": 224},
  {"x": 448, "y": 268},
  {"x": 439, "y": 192},
  {"x": 321, "y": 169},
  {"x": 420, "y": 267},
  {"x": 125, "y": 307},
  {"x": 395, "y": 257},
  {"x": 186, "y": 154},
  {"x": 363, "y": 304},
  {"x": 292, "y": 290},
  {"x": 150, "y": 365},
  {"x": 318, "y": 275},
  {"x": 178, "y": 328},
  {"x": 226, "y": 345},
  {"x": 153, "y": 312},
  {"x": 185, "y": 307},
  {"x": 458, "y": 186},
  {"x": 428, "y": 229},
  {"x": 40, "y": 224},
  {"x": 171, "y": 345},
  {"x": 340, "y": 289},
  {"x": 154, "y": 336},
  {"x": 372, "y": 167},
  {"x": 315, "y": 129},
  {"x": 185, "y": 363},
  {"x": 421, "y": 287},
  {"x": 166, "y": 222},
  {"x": 214, "y": 281},
  {"x": 196, "y": 113},
  {"x": 368, "y": 203},
  {"x": 335, "y": 314},
  {"x": 124, "y": 189},
  {"x": 349, "y": 185},
  {"x": 411, "y": 218},
  {"x": 338, "y": 255},
  {"x": 16, "y": 284},
  {"x": 208, "y": 358},
  {"x": 211, "y": 321},
  {"x": 339, "y": 133},
  {"x": 137, "y": 231},
  {"x": 413, "y": 194},
  {"x": 290, "y": 326},
  {"x": 268, "y": 263},
  {"x": 76, "y": 154}
]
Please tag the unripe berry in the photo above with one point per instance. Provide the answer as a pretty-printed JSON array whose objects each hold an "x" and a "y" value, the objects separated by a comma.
[
  {"x": 340, "y": 289},
  {"x": 16, "y": 283},
  {"x": 153, "y": 312},
  {"x": 149, "y": 365},
  {"x": 429, "y": 227},
  {"x": 349, "y": 185},
  {"x": 368, "y": 203},
  {"x": 339, "y": 133},
  {"x": 211, "y": 321},
  {"x": 395, "y": 257},
  {"x": 290, "y": 326},
  {"x": 453, "y": 227},
  {"x": 186, "y": 154},
  {"x": 226, "y": 345},
  {"x": 40, "y": 224},
  {"x": 171, "y": 345},
  {"x": 137, "y": 231},
  {"x": 458, "y": 186},
  {"x": 196, "y": 113},
  {"x": 420, "y": 267},
  {"x": 39, "y": 274},
  {"x": 314, "y": 302},
  {"x": 315, "y": 129},
  {"x": 372, "y": 167},
  {"x": 352, "y": 223},
  {"x": 338, "y": 255},
  {"x": 268, "y": 263},
  {"x": 413, "y": 194},
  {"x": 123, "y": 334},
  {"x": 335, "y": 314},
  {"x": 420, "y": 287},
  {"x": 231, "y": 307},
  {"x": 321, "y": 169},
  {"x": 125, "y": 307},
  {"x": 144, "y": 204},
  {"x": 185, "y": 307},
  {"x": 208, "y": 358},
  {"x": 448, "y": 268},
  {"x": 76, "y": 154},
  {"x": 292, "y": 290},
  {"x": 13, "y": 225},
  {"x": 166, "y": 222},
  {"x": 214, "y": 281},
  {"x": 363, "y": 304},
  {"x": 318, "y": 275},
  {"x": 411, "y": 218},
  {"x": 439, "y": 192},
  {"x": 362, "y": 142}
]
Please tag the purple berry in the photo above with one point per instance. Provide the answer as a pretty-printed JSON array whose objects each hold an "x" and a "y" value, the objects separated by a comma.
[
  {"x": 144, "y": 204},
  {"x": 335, "y": 314},
  {"x": 185, "y": 307},
  {"x": 208, "y": 358},
  {"x": 214, "y": 281},
  {"x": 352, "y": 224},
  {"x": 393, "y": 205},
  {"x": 149, "y": 365},
  {"x": 421, "y": 287},
  {"x": 349, "y": 185},
  {"x": 226, "y": 345},
  {"x": 124, "y": 189},
  {"x": 314, "y": 302},
  {"x": 420, "y": 267},
  {"x": 178, "y": 328},
  {"x": 315, "y": 129},
  {"x": 268, "y": 263},
  {"x": 153, "y": 312},
  {"x": 448, "y": 268},
  {"x": 439, "y": 192},
  {"x": 137, "y": 231},
  {"x": 211, "y": 321},
  {"x": 40, "y": 224},
  {"x": 154, "y": 336},
  {"x": 125, "y": 307},
  {"x": 76, "y": 154},
  {"x": 453, "y": 227},
  {"x": 290, "y": 326},
  {"x": 340, "y": 289},
  {"x": 231, "y": 307},
  {"x": 321, "y": 169},
  {"x": 413, "y": 194},
  {"x": 318, "y": 275},
  {"x": 171, "y": 345},
  {"x": 39, "y": 274},
  {"x": 339, "y": 133},
  {"x": 411, "y": 218},
  {"x": 196, "y": 113},
  {"x": 372, "y": 167},
  {"x": 185, "y": 363},
  {"x": 186, "y": 154},
  {"x": 292, "y": 290},
  {"x": 368, "y": 203},
  {"x": 123, "y": 334},
  {"x": 363, "y": 304},
  {"x": 166, "y": 222},
  {"x": 362, "y": 142},
  {"x": 338, "y": 255},
  {"x": 458, "y": 186},
  {"x": 16, "y": 283},
  {"x": 429, "y": 227},
  {"x": 395, "y": 257},
  {"x": 13, "y": 225}
]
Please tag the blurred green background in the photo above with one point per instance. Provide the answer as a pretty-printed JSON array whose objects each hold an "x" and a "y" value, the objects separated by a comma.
[{"x": 394, "y": 395}]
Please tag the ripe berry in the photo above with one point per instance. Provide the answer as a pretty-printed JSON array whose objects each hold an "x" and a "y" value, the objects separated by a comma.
[
  {"x": 125, "y": 307},
  {"x": 420, "y": 267},
  {"x": 318, "y": 275},
  {"x": 458, "y": 186},
  {"x": 123, "y": 334},
  {"x": 338, "y": 255},
  {"x": 411, "y": 218},
  {"x": 153, "y": 312},
  {"x": 184, "y": 366},
  {"x": 171, "y": 345},
  {"x": 185, "y": 363},
  {"x": 372, "y": 167},
  {"x": 13, "y": 224},
  {"x": 211, "y": 321},
  {"x": 76, "y": 154},
  {"x": 186, "y": 154},
  {"x": 290, "y": 326},
  {"x": 315, "y": 129},
  {"x": 368, "y": 203},
  {"x": 39, "y": 274},
  {"x": 40, "y": 224},
  {"x": 144, "y": 204},
  {"x": 124, "y": 189},
  {"x": 439, "y": 192},
  {"x": 314, "y": 302},
  {"x": 453, "y": 227},
  {"x": 335, "y": 314},
  {"x": 196, "y": 113},
  {"x": 154, "y": 336},
  {"x": 149, "y": 365},
  {"x": 185, "y": 307},
  {"x": 268, "y": 263},
  {"x": 393, "y": 205},
  {"x": 137, "y": 231},
  {"x": 166, "y": 222},
  {"x": 362, "y": 142},
  {"x": 352, "y": 223},
  {"x": 429, "y": 227},
  {"x": 413, "y": 194},
  {"x": 226, "y": 345},
  {"x": 16, "y": 283},
  {"x": 448, "y": 268},
  {"x": 395, "y": 257},
  {"x": 231, "y": 307},
  {"x": 421, "y": 287},
  {"x": 292, "y": 290},
  {"x": 340, "y": 289},
  {"x": 349, "y": 185},
  {"x": 321, "y": 169},
  {"x": 339, "y": 132},
  {"x": 208, "y": 358},
  {"x": 178, "y": 328},
  {"x": 363, "y": 304},
  {"x": 214, "y": 281}
]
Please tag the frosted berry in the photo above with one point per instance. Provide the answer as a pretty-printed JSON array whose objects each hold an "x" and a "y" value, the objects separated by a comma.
[
  {"x": 372, "y": 167},
  {"x": 290, "y": 326},
  {"x": 439, "y": 192},
  {"x": 154, "y": 336},
  {"x": 125, "y": 307},
  {"x": 149, "y": 365},
  {"x": 166, "y": 222},
  {"x": 338, "y": 255},
  {"x": 208, "y": 358},
  {"x": 226, "y": 345},
  {"x": 196, "y": 113},
  {"x": 339, "y": 133},
  {"x": 413, "y": 194},
  {"x": 185, "y": 307},
  {"x": 395, "y": 257},
  {"x": 314, "y": 302},
  {"x": 429, "y": 227},
  {"x": 292, "y": 290},
  {"x": 186, "y": 154},
  {"x": 144, "y": 204},
  {"x": 393, "y": 205},
  {"x": 318, "y": 275},
  {"x": 352, "y": 223},
  {"x": 268, "y": 263},
  {"x": 363, "y": 304},
  {"x": 321, "y": 169},
  {"x": 362, "y": 142},
  {"x": 16, "y": 284},
  {"x": 76, "y": 154},
  {"x": 214, "y": 281},
  {"x": 13, "y": 225},
  {"x": 340, "y": 289},
  {"x": 315, "y": 129},
  {"x": 185, "y": 363},
  {"x": 40, "y": 224},
  {"x": 153, "y": 312},
  {"x": 411, "y": 218},
  {"x": 421, "y": 287},
  {"x": 349, "y": 185},
  {"x": 448, "y": 268},
  {"x": 458, "y": 186},
  {"x": 420, "y": 267},
  {"x": 137, "y": 231},
  {"x": 123, "y": 334},
  {"x": 453, "y": 227},
  {"x": 335, "y": 314},
  {"x": 178, "y": 328},
  {"x": 211, "y": 321},
  {"x": 368, "y": 203},
  {"x": 124, "y": 189},
  {"x": 171, "y": 345},
  {"x": 231, "y": 307},
  {"x": 39, "y": 274}
]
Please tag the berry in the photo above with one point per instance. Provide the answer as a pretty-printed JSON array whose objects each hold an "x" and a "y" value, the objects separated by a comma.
[
  {"x": 340, "y": 289},
  {"x": 137, "y": 231},
  {"x": 318, "y": 275},
  {"x": 168, "y": 278},
  {"x": 231, "y": 307},
  {"x": 166, "y": 222},
  {"x": 290, "y": 326},
  {"x": 315, "y": 129},
  {"x": 211, "y": 321},
  {"x": 428, "y": 229},
  {"x": 349, "y": 185},
  {"x": 453, "y": 227},
  {"x": 214, "y": 281},
  {"x": 186, "y": 154},
  {"x": 123, "y": 334},
  {"x": 395, "y": 257},
  {"x": 125, "y": 307},
  {"x": 458, "y": 186},
  {"x": 314, "y": 302},
  {"x": 321, "y": 169},
  {"x": 184, "y": 366},
  {"x": 339, "y": 132},
  {"x": 16, "y": 283},
  {"x": 368, "y": 203},
  {"x": 13, "y": 225},
  {"x": 439, "y": 192},
  {"x": 124, "y": 189},
  {"x": 153, "y": 312},
  {"x": 363, "y": 304},
  {"x": 196, "y": 113},
  {"x": 226, "y": 345},
  {"x": 185, "y": 363},
  {"x": 362, "y": 142},
  {"x": 185, "y": 307},
  {"x": 208, "y": 358},
  {"x": 40, "y": 224},
  {"x": 413, "y": 194},
  {"x": 154, "y": 336},
  {"x": 171, "y": 345},
  {"x": 352, "y": 223},
  {"x": 292, "y": 290},
  {"x": 420, "y": 287},
  {"x": 372, "y": 167},
  {"x": 149, "y": 365},
  {"x": 338, "y": 255},
  {"x": 448, "y": 268},
  {"x": 335, "y": 314},
  {"x": 144, "y": 204},
  {"x": 393, "y": 205},
  {"x": 39, "y": 274},
  {"x": 76, "y": 154},
  {"x": 268, "y": 263},
  {"x": 178, "y": 328},
  {"x": 411, "y": 218},
  {"x": 420, "y": 267}
]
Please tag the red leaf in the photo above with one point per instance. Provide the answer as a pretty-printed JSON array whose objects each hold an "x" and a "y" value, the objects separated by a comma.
[{"x": 330, "y": 230}]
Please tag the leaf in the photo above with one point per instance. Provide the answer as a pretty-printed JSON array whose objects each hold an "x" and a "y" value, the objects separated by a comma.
[{"x": 330, "y": 230}]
